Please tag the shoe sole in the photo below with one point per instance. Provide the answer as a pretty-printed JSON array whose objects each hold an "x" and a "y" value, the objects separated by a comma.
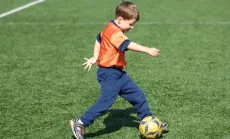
[
  {"x": 71, "y": 126},
  {"x": 165, "y": 126}
]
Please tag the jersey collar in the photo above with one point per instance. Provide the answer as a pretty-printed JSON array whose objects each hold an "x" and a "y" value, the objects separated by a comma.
[{"x": 112, "y": 21}]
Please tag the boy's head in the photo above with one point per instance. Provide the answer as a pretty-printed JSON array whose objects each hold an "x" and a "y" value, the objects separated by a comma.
[
  {"x": 126, "y": 15},
  {"x": 127, "y": 10}
]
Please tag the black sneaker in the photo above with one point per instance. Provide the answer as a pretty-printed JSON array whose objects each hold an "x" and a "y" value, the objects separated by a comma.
[
  {"x": 77, "y": 128},
  {"x": 164, "y": 125},
  {"x": 162, "y": 128}
]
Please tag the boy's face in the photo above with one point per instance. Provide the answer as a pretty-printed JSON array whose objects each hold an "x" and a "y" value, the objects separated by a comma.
[{"x": 126, "y": 25}]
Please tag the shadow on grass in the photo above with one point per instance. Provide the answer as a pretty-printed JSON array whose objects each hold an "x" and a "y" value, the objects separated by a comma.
[
  {"x": 117, "y": 119},
  {"x": 164, "y": 132}
]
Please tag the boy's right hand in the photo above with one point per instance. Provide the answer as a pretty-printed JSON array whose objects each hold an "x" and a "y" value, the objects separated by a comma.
[
  {"x": 153, "y": 52},
  {"x": 89, "y": 63}
]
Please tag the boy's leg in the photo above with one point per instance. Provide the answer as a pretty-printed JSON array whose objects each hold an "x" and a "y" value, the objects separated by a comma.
[
  {"x": 109, "y": 92},
  {"x": 133, "y": 93}
]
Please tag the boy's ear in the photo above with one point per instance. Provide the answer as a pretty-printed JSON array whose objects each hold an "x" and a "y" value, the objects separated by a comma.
[{"x": 119, "y": 19}]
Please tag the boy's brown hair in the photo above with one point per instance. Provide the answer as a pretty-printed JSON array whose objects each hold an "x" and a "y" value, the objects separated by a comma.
[{"x": 127, "y": 10}]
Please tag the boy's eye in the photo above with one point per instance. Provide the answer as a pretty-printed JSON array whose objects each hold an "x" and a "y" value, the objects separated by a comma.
[{"x": 131, "y": 24}]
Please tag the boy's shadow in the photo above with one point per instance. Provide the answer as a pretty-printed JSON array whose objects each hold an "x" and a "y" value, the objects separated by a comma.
[{"x": 117, "y": 119}]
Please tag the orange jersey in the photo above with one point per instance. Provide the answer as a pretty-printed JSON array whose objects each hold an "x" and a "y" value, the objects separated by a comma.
[{"x": 113, "y": 45}]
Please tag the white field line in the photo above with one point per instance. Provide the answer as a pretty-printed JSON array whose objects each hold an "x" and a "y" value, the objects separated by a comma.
[
  {"x": 103, "y": 23},
  {"x": 21, "y": 8}
]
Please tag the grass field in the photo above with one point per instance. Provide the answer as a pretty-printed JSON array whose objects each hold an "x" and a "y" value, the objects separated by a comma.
[{"x": 43, "y": 84}]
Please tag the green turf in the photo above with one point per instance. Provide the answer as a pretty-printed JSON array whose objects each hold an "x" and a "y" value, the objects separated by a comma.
[
  {"x": 43, "y": 84},
  {"x": 7, "y": 5}
]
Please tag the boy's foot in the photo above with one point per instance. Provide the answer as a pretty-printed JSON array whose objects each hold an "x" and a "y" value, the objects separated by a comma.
[
  {"x": 164, "y": 125},
  {"x": 77, "y": 128}
]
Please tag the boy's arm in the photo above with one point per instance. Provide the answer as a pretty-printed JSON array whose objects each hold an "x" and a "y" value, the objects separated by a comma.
[
  {"x": 139, "y": 48},
  {"x": 92, "y": 60}
]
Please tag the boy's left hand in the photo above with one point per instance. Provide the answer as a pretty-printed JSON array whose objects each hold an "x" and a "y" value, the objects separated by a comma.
[
  {"x": 153, "y": 52},
  {"x": 89, "y": 63}
]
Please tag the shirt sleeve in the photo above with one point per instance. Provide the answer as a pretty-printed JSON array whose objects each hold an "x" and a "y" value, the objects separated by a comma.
[
  {"x": 98, "y": 37},
  {"x": 124, "y": 45},
  {"x": 120, "y": 41}
]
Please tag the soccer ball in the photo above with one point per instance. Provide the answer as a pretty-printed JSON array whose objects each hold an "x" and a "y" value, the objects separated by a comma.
[{"x": 150, "y": 127}]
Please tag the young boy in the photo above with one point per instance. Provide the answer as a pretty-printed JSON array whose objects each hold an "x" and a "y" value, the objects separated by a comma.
[{"x": 109, "y": 53}]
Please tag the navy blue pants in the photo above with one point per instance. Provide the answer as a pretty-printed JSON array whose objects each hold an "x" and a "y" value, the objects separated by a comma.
[{"x": 116, "y": 82}]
